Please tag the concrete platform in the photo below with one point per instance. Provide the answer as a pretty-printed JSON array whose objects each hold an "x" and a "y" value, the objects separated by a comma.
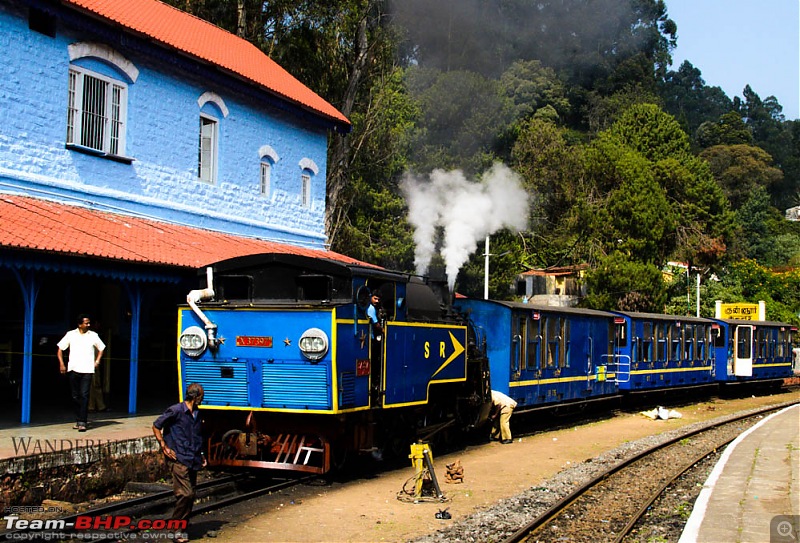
[
  {"x": 25, "y": 447},
  {"x": 753, "y": 493}
]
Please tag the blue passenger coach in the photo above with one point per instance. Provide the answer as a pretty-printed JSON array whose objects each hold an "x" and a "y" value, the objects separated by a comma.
[
  {"x": 658, "y": 351},
  {"x": 541, "y": 355},
  {"x": 752, "y": 350}
]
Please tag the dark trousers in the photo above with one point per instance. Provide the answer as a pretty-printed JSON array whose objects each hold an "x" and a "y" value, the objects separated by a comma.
[
  {"x": 184, "y": 481},
  {"x": 79, "y": 384}
]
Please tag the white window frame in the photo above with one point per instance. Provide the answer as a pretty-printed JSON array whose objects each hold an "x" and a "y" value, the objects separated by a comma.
[
  {"x": 208, "y": 157},
  {"x": 305, "y": 190},
  {"x": 266, "y": 176},
  {"x": 100, "y": 128}
]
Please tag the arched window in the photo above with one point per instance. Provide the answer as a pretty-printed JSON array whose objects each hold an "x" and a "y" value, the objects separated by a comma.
[
  {"x": 97, "y": 103},
  {"x": 208, "y": 146},
  {"x": 309, "y": 168},
  {"x": 268, "y": 159}
]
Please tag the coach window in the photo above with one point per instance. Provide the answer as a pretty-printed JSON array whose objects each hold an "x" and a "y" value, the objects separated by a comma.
[
  {"x": 744, "y": 338},
  {"x": 564, "y": 343},
  {"x": 701, "y": 340},
  {"x": 661, "y": 341},
  {"x": 533, "y": 345},
  {"x": 521, "y": 333},
  {"x": 553, "y": 339},
  {"x": 620, "y": 333},
  {"x": 646, "y": 352},
  {"x": 782, "y": 343},
  {"x": 675, "y": 341},
  {"x": 763, "y": 343},
  {"x": 527, "y": 353},
  {"x": 688, "y": 342},
  {"x": 773, "y": 349}
]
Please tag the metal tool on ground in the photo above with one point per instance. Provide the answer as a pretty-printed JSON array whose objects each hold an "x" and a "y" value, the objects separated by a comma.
[{"x": 422, "y": 461}]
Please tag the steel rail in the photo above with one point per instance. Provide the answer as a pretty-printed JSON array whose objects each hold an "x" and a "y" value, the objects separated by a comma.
[{"x": 556, "y": 509}]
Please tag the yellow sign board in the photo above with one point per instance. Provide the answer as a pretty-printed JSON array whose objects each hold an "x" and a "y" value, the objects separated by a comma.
[{"x": 743, "y": 312}]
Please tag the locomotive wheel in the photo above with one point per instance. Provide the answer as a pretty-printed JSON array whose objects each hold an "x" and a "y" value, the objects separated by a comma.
[
  {"x": 339, "y": 456},
  {"x": 227, "y": 439}
]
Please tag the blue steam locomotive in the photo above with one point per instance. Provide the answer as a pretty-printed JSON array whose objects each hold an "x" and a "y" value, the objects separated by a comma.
[{"x": 296, "y": 376}]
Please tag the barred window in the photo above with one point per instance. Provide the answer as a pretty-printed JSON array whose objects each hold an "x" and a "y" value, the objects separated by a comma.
[{"x": 96, "y": 112}]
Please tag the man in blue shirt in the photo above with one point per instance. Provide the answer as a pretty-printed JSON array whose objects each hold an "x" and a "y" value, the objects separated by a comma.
[
  {"x": 179, "y": 432},
  {"x": 375, "y": 316}
]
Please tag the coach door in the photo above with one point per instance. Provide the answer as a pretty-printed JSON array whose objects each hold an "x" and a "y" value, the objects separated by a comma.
[{"x": 743, "y": 351}]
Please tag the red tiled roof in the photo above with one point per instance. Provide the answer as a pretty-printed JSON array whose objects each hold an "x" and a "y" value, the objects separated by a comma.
[
  {"x": 557, "y": 271},
  {"x": 30, "y": 223},
  {"x": 200, "y": 39}
]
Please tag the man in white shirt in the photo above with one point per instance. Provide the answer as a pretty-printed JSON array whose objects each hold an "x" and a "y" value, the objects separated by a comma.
[
  {"x": 85, "y": 351},
  {"x": 502, "y": 407}
]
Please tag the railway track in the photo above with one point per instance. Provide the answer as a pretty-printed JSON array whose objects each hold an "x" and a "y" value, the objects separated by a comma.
[
  {"x": 610, "y": 505},
  {"x": 212, "y": 495}
]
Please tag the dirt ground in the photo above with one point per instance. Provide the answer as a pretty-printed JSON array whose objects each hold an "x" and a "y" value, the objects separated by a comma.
[{"x": 368, "y": 510}]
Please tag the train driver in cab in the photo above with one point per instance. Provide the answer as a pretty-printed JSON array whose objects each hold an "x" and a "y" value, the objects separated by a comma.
[{"x": 374, "y": 314}]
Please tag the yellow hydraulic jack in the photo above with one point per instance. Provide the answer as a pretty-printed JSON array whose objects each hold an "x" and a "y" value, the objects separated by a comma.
[{"x": 422, "y": 459}]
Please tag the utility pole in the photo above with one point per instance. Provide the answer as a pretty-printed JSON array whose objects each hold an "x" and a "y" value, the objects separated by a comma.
[{"x": 486, "y": 270}]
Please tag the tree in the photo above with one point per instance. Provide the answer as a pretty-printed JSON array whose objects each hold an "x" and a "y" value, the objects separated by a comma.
[
  {"x": 602, "y": 111},
  {"x": 531, "y": 87},
  {"x": 687, "y": 97},
  {"x": 619, "y": 283},
  {"x": 630, "y": 212},
  {"x": 704, "y": 220},
  {"x": 372, "y": 223},
  {"x": 462, "y": 116},
  {"x": 739, "y": 169},
  {"x": 730, "y": 129},
  {"x": 551, "y": 167}
]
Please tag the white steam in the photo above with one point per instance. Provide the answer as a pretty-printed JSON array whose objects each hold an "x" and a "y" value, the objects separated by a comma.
[{"x": 465, "y": 210}]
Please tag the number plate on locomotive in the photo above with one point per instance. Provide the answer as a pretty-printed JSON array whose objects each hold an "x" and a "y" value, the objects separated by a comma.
[{"x": 254, "y": 341}]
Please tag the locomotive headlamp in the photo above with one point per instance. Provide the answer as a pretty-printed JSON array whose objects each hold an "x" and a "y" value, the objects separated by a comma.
[
  {"x": 313, "y": 344},
  {"x": 193, "y": 341}
]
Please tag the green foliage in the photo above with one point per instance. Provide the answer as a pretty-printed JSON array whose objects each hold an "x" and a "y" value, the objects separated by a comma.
[
  {"x": 378, "y": 231},
  {"x": 532, "y": 87},
  {"x": 619, "y": 283},
  {"x": 729, "y": 130},
  {"x": 687, "y": 98},
  {"x": 506, "y": 253},
  {"x": 462, "y": 116},
  {"x": 652, "y": 198},
  {"x": 602, "y": 111},
  {"x": 654, "y": 134},
  {"x": 633, "y": 215},
  {"x": 739, "y": 169},
  {"x": 748, "y": 281}
]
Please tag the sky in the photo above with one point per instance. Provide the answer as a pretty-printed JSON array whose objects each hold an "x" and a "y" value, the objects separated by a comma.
[{"x": 742, "y": 42}]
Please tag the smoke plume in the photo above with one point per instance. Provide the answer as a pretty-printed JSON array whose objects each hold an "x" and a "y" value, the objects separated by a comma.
[{"x": 465, "y": 211}]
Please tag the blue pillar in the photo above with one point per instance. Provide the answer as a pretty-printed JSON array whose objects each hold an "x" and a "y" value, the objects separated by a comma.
[
  {"x": 135, "y": 297},
  {"x": 30, "y": 290}
]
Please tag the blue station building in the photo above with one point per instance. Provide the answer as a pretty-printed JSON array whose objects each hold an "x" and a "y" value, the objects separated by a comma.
[{"x": 137, "y": 144}]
